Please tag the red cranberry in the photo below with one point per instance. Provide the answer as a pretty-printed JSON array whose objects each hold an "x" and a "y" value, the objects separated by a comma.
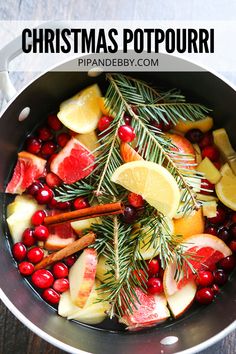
[
  {"x": 38, "y": 217},
  {"x": 61, "y": 285},
  {"x": 63, "y": 205},
  {"x": 135, "y": 200},
  {"x": 70, "y": 260},
  {"x": 167, "y": 126},
  {"x": 53, "y": 180},
  {"x": 155, "y": 286},
  {"x": 130, "y": 215},
  {"x": 228, "y": 263},
  {"x": 220, "y": 276},
  {"x": 140, "y": 276},
  {"x": 80, "y": 203},
  {"x": 34, "y": 188},
  {"x": 205, "y": 296},
  {"x": 232, "y": 230},
  {"x": 104, "y": 123},
  {"x": 220, "y": 216},
  {"x": 232, "y": 246},
  {"x": 204, "y": 278},
  {"x": 51, "y": 158},
  {"x": 233, "y": 217},
  {"x": 44, "y": 134},
  {"x": 127, "y": 120},
  {"x": 44, "y": 195},
  {"x": 215, "y": 288},
  {"x": 42, "y": 278},
  {"x": 35, "y": 255},
  {"x": 211, "y": 152},
  {"x": 41, "y": 233},
  {"x": 48, "y": 148},
  {"x": 153, "y": 267},
  {"x": 126, "y": 133},
  {"x": 62, "y": 139},
  {"x": 157, "y": 125},
  {"x": 54, "y": 122},
  {"x": 207, "y": 140},
  {"x": 19, "y": 251},
  {"x": 60, "y": 270},
  {"x": 194, "y": 135},
  {"x": 223, "y": 233},
  {"x": 33, "y": 145},
  {"x": 26, "y": 268},
  {"x": 28, "y": 238},
  {"x": 51, "y": 296},
  {"x": 211, "y": 229},
  {"x": 207, "y": 187}
]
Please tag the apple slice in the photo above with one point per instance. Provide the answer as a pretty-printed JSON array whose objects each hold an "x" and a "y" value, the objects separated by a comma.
[
  {"x": 92, "y": 314},
  {"x": 209, "y": 209},
  {"x": 180, "y": 301},
  {"x": 82, "y": 276},
  {"x": 210, "y": 171},
  {"x": 102, "y": 272},
  {"x": 80, "y": 225}
]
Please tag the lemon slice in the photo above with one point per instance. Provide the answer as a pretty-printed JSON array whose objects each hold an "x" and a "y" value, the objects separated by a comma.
[
  {"x": 81, "y": 112},
  {"x": 226, "y": 189},
  {"x": 155, "y": 184},
  {"x": 226, "y": 170}
]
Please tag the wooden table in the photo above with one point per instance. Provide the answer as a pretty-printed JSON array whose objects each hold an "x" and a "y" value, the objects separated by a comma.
[{"x": 15, "y": 337}]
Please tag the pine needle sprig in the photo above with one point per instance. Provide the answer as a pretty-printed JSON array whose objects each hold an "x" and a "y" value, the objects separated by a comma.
[{"x": 69, "y": 192}]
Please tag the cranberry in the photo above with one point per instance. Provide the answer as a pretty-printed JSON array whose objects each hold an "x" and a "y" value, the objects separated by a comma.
[
  {"x": 211, "y": 229},
  {"x": 61, "y": 285},
  {"x": 63, "y": 205},
  {"x": 215, "y": 288},
  {"x": 167, "y": 126},
  {"x": 42, "y": 278},
  {"x": 48, "y": 148},
  {"x": 207, "y": 187},
  {"x": 62, "y": 139},
  {"x": 232, "y": 230},
  {"x": 26, "y": 268},
  {"x": 34, "y": 188},
  {"x": 41, "y": 233},
  {"x": 127, "y": 120},
  {"x": 19, "y": 251},
  {"x": 153, "y": 267},
  {"x": 80, "y": 203},
  {"x": 207, "y": 140},
  {"x": 228, "y": 263},
  {"x": 51, "y": 158},
  {"x": 51, "y": 296},
  {"x": 135, "y": 200},
  {"x": 35, "y": 255},
  {"x": 223, "y": 233},
  {"x": 44, "y": 195},
  {"x": 33, "y": 145},
  {"x": 104, "y": 123},
  {"x": 70, "y": 260},
  {"x": 44, "y": 134},
  {"x": 130, "y": 214},
  {"x": 155, "y": 286},
  {"x": 140, "y": 276},
  {"x": 205, "y": 296},
  {"x": 60, "y": 270},
  {"x": 204, "y": 278},
  {"x": 194, "y": 135},
  {"x": 28, "y": 238},
  {"x": 54, "y": 122},
  {"x": 220, "y": 276},
  {"x": 157, "y": 125},
  {"x": 38, "y": 217},
  {"x": 53, "y": 180},
  {"x": 233, "y": 217},
  {"x": 220, "y": 216},
  {"x": 232, "y": 245},
  {"x": 211, "y": 152},
  {"x": 126, "y": 133}
]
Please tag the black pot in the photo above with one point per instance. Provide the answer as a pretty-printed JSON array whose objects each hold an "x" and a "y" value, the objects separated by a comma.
[{"x": 198, "y": 328}]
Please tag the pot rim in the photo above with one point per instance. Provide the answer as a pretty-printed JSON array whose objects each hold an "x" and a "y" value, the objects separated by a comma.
[{"x": 59, "y": 344}]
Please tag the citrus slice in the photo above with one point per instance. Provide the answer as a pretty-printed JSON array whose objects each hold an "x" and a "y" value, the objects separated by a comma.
[
  {"x": 153, "y": 182},
  {"x": 128, "y": 154},
  {"x": 208, "y": 250},
  {"x": 81, "y": 112},
  {"x": 226, "y": 189},
  {"x": 204, "y": 125},
  {"x": 226, "y": 170},
  {"x": 106, "y": 110}
]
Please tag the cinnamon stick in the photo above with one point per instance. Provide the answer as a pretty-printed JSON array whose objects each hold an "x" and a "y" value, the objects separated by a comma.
[
  {"x": 72, "y": 248},
  {"x": 86, "y": 213}
]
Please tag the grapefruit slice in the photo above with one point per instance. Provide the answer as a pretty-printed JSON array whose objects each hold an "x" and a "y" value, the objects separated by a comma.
[
  {"x": 60, "y": 235},
  {"x": 147, "y": 311},
  {"x": 27, "y": 170},
  {"x": 208, "y": 249},
  {"x": 73, "y": 162}
]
